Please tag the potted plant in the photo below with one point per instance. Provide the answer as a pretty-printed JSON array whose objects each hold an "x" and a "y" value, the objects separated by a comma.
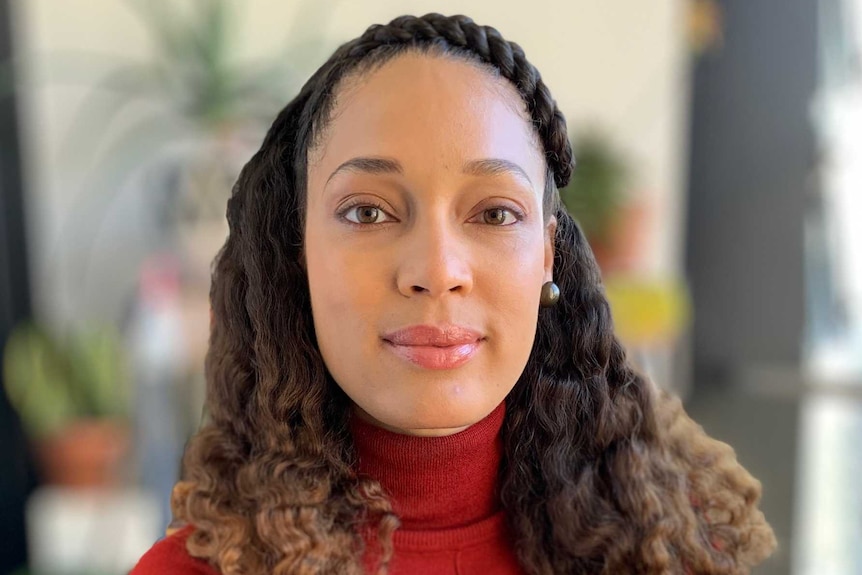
[
  {"x": 190, "y": 117},
  {"x": 598, "y": 197},
  {"x": 71, "y": 395}
]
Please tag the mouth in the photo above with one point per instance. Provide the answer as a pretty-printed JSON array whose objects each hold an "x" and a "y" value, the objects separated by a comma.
[
  {"x": 435, "y": 347},
  {"x": 436, "y": 357}
]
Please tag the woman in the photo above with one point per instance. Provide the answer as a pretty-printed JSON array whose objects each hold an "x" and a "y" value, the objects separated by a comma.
[{"x": 412, "y": 367}]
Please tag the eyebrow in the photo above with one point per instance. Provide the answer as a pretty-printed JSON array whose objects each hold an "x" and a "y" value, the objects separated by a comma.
[
  {"x": 375, "y": 166},
  {"x": 495, "y": 167},
  {"x": 379, "y": 166}
]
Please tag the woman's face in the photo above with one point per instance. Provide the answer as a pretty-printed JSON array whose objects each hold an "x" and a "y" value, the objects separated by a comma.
[{"x": 425, "y": 243}]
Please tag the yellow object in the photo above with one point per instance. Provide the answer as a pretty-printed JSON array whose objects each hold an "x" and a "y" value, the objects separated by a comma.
[
  {"x": 648, "y": 312},
  {"x": 705, "y": 26}
]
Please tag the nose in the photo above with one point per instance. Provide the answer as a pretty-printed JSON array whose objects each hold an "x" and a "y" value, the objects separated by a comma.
[{"x": 434, "y": 262}]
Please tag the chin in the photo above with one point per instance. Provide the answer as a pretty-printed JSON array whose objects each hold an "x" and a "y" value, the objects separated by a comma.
[{"x": 439, "y": 421}]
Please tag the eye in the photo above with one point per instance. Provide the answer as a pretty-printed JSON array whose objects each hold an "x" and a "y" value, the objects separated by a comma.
[
  {"x": 500, "y": 216},
  {"x": 364, "y": 214}
]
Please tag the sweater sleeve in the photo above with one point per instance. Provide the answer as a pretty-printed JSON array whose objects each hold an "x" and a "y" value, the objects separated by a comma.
[{"x": 169, "y": 557}]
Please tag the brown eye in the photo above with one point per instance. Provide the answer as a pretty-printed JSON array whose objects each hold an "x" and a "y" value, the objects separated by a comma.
[
  {"x": 365, "y": 214},
  {"x": 499, "y": 217}
]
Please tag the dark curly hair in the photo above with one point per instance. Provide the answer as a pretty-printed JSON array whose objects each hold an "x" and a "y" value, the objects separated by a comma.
[{"x": 602, "y": 473}]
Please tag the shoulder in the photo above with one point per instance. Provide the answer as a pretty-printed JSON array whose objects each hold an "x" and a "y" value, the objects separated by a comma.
[{"x": 169, "y": 557}]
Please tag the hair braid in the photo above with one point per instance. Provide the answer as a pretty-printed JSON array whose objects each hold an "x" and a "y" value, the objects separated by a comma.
[{"x": 488, "y": 46}]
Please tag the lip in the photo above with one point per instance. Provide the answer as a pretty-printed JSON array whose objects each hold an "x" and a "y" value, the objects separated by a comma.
[{"x": 435, "y": 347}]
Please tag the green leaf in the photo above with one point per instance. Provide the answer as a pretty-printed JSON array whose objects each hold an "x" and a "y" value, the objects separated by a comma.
[
  {"x": 166, "y": 27},
  {"x": 99, "y": 366},
  {"x": 37, "y": 380},
  {"x": 598, "y": 185},
  {"x": 51, "y": 381}
]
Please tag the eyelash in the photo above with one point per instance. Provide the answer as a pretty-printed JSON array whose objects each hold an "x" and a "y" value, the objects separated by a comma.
[{"x": 519, "y": 215}]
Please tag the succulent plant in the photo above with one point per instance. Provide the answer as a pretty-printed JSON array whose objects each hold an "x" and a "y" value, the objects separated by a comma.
[{"x": 53, "y": 381}]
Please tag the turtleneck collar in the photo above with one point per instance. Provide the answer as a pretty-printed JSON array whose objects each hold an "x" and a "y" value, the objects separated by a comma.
[{"x": 435, "y": 482}]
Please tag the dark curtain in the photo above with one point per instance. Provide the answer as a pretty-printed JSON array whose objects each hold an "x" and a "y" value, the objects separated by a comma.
[
  {"x": 753, "y": 152},
  {"x": 17, "y": 478}
]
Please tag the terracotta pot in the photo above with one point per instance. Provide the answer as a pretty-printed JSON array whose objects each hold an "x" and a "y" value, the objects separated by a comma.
[
  {"x": 622, "y": 251},
  {"x": 86, "y": 453}
]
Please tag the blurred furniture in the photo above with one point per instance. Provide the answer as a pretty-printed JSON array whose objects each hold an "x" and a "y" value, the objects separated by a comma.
[{"x": 97, "y": 531}]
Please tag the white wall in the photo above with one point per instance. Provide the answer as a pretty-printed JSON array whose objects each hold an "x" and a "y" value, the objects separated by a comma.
[{"x": 618, "y": 64}]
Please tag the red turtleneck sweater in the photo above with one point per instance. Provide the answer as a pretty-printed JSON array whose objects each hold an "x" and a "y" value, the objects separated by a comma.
[{"x": 443, "y": 489}]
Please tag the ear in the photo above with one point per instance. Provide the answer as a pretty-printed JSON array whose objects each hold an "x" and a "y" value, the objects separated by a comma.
[{"x": 550, "y": 234}]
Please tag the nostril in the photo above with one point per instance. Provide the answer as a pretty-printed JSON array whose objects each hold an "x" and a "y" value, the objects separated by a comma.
[
  {"x": 417, "y": 289},
  {"x": 420, "y": 289}
]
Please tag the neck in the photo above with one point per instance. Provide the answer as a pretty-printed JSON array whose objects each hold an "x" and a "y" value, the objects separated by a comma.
[
  {"x": 435, "y": 482},
  {"x": 435, "y": 432}
]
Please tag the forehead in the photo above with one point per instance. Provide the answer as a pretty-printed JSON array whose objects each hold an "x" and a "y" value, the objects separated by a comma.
[{"x": 432, "y": 110}]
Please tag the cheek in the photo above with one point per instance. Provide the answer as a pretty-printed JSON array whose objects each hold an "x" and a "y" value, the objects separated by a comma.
[
  {"x": 512, "y": 289},
  {"x": 346, "y": 293},
  {"x": 514, "y": 273}
]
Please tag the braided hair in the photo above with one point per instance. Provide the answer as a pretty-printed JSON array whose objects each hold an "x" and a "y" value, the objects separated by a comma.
[{"x": 602, "y": 473}]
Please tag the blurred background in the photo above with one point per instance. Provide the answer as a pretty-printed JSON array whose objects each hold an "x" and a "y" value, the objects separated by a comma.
[{"x": 719, "y": 146}]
